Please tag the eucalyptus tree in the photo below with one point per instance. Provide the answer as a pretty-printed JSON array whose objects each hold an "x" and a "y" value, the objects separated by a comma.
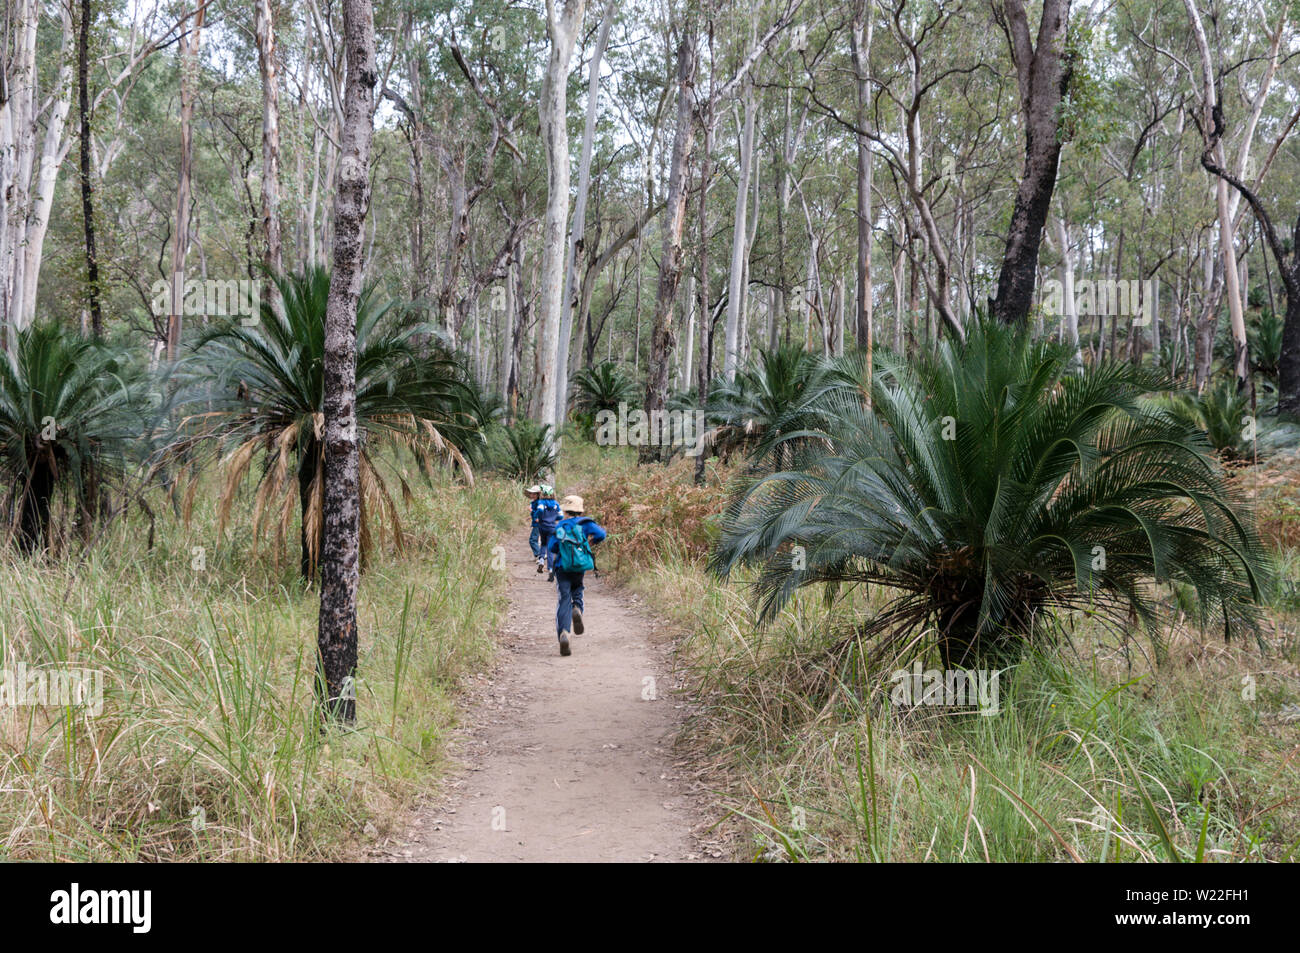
[{"x": 341, "y": 505}]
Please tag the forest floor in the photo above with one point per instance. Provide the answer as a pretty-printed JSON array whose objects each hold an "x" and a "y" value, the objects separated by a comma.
[{"x": 568, "y": 759}]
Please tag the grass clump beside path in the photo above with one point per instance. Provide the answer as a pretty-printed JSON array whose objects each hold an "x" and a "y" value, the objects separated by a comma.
[{"x": 207, "y": 746}]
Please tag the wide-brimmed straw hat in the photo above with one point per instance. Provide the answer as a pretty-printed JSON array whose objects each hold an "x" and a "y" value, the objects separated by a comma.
[{"x": 571, "y": 504}]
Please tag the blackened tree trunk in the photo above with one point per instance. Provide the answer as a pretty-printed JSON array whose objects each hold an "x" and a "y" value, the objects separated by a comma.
[
  {"x": 87, "y": 199},
  {"x": 663, "y": 340},
  {"x": 341, "y": 513},
  {"x": 1043, "y": 71},
  {"x": 1288, "y": 400},
  {"x": 862, "y": 29}
]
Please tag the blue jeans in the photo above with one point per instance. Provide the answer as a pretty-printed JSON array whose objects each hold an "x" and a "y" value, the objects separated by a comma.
[
  {"x": 570, "y": 586},
  {"x": 545, "y": 548},
  {"x": 533, "y": 539}
]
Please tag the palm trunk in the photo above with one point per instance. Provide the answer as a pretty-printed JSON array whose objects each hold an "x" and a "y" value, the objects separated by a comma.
[
  {"x": 309, "y": 552},
  {"x": 34, "y": 508}
]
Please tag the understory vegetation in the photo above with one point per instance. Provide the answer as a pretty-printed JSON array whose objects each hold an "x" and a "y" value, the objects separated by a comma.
[
  {"x": 1110, "y": 737},
  {"x": 1097, "y": 752},
  {"x": 208, "y": 746}
]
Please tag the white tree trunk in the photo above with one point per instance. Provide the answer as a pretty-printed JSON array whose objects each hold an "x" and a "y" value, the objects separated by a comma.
[
  {"x": 28, "y": 173},
  {"x": 688, "y": 353},
  {"x": 563, "y": 19},
  {"x": 1071, "y": 315},
  {"x": 189, "y": 63},
  {"x": 739, "y": 240},
  {"x": 578, "y": 229},
  {"x": 17, "y": 148},
  {"x": 264, "y": 28},
  {"x": 1225, "y": 205},
  {"x": 506, "y": 364},
  {"x": 840, "y": 310},
  {"x": 754, "y": 212}
]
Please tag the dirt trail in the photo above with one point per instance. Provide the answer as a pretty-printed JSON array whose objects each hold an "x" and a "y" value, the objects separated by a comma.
[{"x": 564, "y": 758}]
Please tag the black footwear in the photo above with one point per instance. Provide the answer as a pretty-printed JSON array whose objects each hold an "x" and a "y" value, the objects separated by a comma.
[
  {"x": 578, "y": 627},
  {"x": 550, "y": 577},
  {"x": 564, "y": 643},
  {"x": 540, "y": 566}
]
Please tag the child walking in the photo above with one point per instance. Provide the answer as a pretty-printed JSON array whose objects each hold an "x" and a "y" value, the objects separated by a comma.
[
  {"x": 571, "y": 547},
  {"x": 533, "y": 494},
  {"x": 547, "y": 517}
]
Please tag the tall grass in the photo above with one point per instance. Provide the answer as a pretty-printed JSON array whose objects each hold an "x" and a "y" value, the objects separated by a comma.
[
  {"x": 208, "y": 745},
  {"x": 1094, "y": 755}
]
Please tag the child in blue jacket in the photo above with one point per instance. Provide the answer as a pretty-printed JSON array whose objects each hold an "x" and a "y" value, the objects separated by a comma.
[
  {"x": 546, "y": 516},
  {"x": 568, "y": 579},
  {"x": 534, "y": 493}
]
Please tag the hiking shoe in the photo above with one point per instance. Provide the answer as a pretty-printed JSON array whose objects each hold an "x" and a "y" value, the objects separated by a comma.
[
  {"x": 564, "y": 643},
  {"x": 550, "y": 577},
  {"x": 541, "y": 566},
  {"x": 578, "y": 627}
]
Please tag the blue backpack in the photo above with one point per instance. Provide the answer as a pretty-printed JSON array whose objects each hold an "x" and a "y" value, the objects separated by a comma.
[
  {"x": 575, "y": 550},
  {"x": 548, "y": 517}
]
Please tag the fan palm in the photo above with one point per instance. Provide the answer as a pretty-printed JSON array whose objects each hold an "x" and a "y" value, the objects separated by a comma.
[
  {"x": 1265, "y": 337},
  {"x": 70, "y": 411},
  {"x": 1222, "y": 412},
  {"x": 525, "y": 451},
  {"x": 602, "y": 386},
  {"x": 771, "y": 405},
  {"x": 472, "y": 412},
  {"x": 599, "y": 388},
  {"x": 989, "y": 485},
  {"x": 261, "y": 388}
]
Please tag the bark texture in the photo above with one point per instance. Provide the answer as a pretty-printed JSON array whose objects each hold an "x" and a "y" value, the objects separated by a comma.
[
  {"x": 340, "y": 562},
  {"x": 1043, "y": 73}
]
